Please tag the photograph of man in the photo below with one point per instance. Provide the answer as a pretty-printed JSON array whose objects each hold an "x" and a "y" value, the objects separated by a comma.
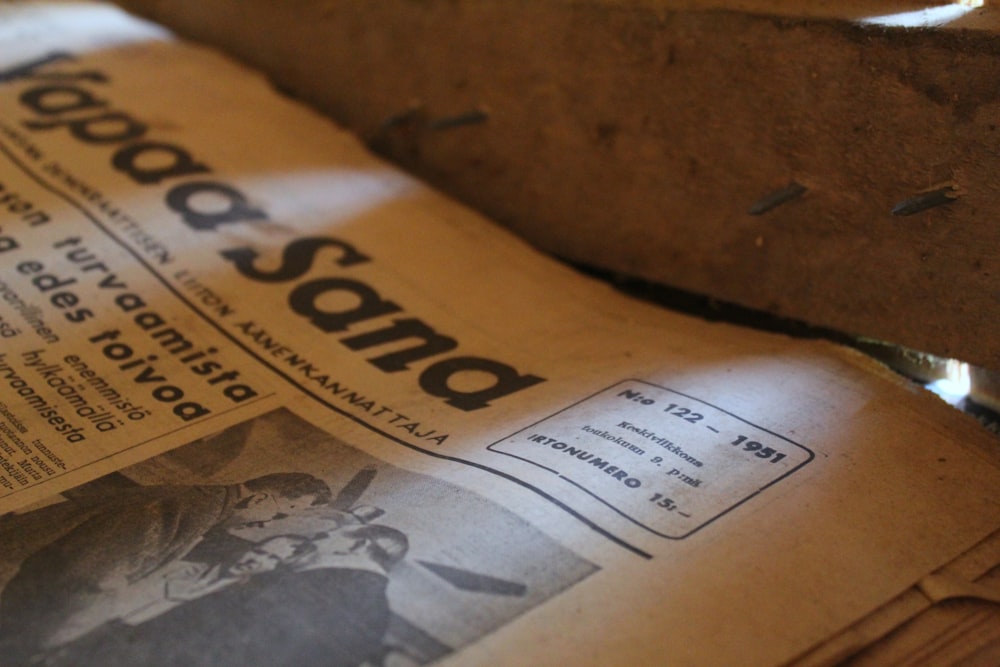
[
  {"x": 177, "y": 582},
  {"x": 125, "y": 537},
  {"x": 324, "y": 603},
  {"x": 239, "y": 562}
]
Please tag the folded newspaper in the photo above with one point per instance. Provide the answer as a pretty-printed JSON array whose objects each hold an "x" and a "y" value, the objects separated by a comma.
[{"x": 266, "y": 400}]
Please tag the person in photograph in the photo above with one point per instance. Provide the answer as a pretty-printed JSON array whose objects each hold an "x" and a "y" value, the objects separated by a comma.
[
  {"x": 224, "y": 542},
  {"x": 325, "y": 606},
  {"x": 175, "y": 583},
  {"x": 371, "y": 547},
  {"x": 125, "y": 537}
]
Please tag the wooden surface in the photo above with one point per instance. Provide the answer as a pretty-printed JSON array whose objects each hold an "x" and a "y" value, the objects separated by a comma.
[{"x": 636, "y": 136}]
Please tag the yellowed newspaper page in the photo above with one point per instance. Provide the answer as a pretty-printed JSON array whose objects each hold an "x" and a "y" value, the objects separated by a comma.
[{"x": 266, "y": 400}]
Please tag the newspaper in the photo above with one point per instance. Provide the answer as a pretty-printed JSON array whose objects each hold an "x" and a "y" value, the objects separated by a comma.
[{"x": 266, "y": 400}]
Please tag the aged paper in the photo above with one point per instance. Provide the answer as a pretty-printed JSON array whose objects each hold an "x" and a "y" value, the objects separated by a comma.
[{"x": 264, "y": 397}]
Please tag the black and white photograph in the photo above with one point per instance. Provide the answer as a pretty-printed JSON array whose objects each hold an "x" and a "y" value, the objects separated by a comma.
[{"x": 270, "y": 543}]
